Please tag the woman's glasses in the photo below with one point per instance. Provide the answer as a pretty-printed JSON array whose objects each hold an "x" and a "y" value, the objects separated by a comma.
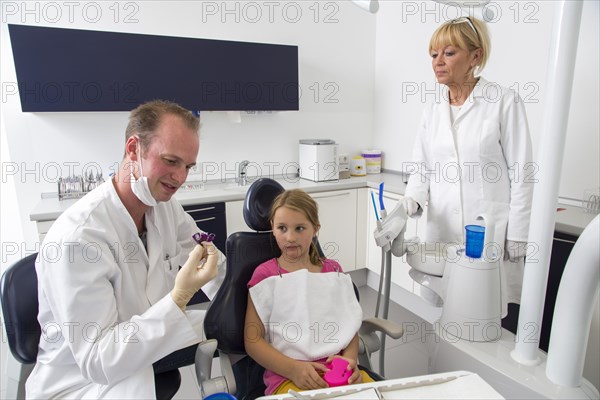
[{"x": 467, "y": 20}]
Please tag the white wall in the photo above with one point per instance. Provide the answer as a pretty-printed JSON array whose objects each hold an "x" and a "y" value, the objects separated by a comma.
[
  {"x": 336, "y": 68},
  {"x": 377, "y": 68},
  {"x": 520, "y": 35}
]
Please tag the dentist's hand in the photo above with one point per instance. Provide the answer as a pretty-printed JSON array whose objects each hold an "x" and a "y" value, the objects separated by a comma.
[
  {"x": 200, "y": 267},
  {"x": 514, "y": 251},
  {"x": 410, "y": 205}
]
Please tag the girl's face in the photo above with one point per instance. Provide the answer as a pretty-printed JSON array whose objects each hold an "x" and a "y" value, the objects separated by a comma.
[{"x": 294, "y": 234}]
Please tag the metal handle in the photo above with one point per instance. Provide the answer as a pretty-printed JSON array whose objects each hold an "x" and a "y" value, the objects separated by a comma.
[
  {"x": 331, "y": 195},
  {"x": 200, "y": 209},
  {"x": 564, "y": 240},
  {"x": 205, "y": 219}
]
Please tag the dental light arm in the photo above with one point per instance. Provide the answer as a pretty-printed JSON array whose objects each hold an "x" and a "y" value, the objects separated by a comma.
[
  {"x": 371, "y": 6},
  {"x": 477, "y": 8}
]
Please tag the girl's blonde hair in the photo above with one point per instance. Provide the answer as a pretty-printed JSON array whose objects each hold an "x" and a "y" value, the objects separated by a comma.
[
  {"x": 298, "y": 200},
  {"x": 466, "y": 33}
]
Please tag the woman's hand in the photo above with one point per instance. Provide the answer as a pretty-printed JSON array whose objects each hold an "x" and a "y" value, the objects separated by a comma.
[
  {"x": 308, "y": 375},
  {"x": 356, "y": 377}
]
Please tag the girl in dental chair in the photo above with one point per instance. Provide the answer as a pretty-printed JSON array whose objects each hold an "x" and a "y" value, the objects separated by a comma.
[{"x": 302, "y": 310}]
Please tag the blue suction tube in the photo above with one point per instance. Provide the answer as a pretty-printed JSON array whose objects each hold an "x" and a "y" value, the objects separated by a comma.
[
  {"x": 381, "y": 204},
  {"x": 374, "y": 206}
]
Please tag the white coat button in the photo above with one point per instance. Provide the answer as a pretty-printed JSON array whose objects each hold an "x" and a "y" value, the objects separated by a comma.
[{"x": 455, "y": 211}]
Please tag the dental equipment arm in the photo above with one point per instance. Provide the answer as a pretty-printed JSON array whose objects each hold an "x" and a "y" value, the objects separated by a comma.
[
  {"x": 389, "y": 234},
  {"x": 220, "y": 384}
]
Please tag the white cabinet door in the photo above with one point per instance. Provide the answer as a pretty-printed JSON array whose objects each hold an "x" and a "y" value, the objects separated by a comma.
[
  {"x": 362, "y": 221},
  {"x": 235, "y": 217},
  {"x": 338, "y": 216},
  {"x": 400, "y": 267},
  {"x": 337, "y": 213},
  {"x": 43, "y": 227}
]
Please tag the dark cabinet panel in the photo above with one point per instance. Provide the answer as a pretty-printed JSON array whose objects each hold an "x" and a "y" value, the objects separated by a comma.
[
  {"x": 83, "y": 70},
  {"x": 562, "y": 245},
  {"x": 561, "y": 249},
  {"x": 209, "y": 218}
]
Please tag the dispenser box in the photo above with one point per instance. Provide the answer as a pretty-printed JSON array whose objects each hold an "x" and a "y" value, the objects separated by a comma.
[{"x": 318, "y": 159}]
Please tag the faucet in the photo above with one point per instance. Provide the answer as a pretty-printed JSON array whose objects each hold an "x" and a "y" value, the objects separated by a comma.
[{"x": 242, "y": 178}]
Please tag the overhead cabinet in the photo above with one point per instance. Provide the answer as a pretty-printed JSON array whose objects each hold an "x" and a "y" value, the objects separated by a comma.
[{"x": 82, "y": 70}]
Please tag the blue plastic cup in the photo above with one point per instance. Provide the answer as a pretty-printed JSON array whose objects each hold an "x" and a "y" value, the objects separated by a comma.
[
  {"x": 220, "y": 396},
  {"x": 475, "y": 239}
]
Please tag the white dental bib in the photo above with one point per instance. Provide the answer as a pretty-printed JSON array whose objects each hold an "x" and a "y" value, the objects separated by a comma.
[{"x": 308, "y": 316}]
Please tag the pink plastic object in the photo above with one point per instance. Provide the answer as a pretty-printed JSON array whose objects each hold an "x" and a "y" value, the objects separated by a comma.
[
  {"x": 203, "y": 237},
  {"x": 338, "y": 373}
]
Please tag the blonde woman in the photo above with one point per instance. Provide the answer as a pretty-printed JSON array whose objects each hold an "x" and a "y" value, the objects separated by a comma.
[{"x": 473, "y": 153}]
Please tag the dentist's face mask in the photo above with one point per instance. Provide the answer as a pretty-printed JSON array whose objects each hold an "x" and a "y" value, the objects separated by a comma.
[{"x": 140, "y": 186}]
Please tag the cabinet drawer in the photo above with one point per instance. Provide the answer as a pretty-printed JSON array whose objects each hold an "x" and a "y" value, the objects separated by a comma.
[
  {"x": 211, "y": 218},
  {"x": 203, "y": 210},
  {"x": 44, "y": 226}
]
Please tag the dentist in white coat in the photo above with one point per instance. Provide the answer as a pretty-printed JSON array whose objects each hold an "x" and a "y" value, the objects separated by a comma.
[
  {"x": 473, "y": 153},
  {"x": 117, "y": 269}
]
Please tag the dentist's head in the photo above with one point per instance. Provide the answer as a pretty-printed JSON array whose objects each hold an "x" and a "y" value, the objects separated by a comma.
[
  {"x": 161, "y": 146},
  {"x": 459, "y": 50}
]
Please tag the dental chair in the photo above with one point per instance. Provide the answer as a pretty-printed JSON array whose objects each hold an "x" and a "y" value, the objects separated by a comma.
[
  {"x": 19, "y": 295},
  {"x": 224, "y": 320}
]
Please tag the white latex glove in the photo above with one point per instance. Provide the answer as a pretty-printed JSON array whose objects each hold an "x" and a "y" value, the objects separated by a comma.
[
  {"x": 410, "y": 205},
  {"x": 514, "y": 251},
  {"x": 200, "y": 267}
]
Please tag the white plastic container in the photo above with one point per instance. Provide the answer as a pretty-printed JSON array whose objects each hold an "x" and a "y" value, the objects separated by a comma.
[{"x": 372, "y": 160}]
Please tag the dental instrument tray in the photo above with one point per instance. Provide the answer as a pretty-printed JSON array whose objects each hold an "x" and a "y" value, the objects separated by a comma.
[{"x": 77, "y": 186}]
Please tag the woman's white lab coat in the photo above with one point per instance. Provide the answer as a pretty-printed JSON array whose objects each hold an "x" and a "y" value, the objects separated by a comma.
[
  {"x": 105, "y": 309},
  {"x": 479, "y": 165}
]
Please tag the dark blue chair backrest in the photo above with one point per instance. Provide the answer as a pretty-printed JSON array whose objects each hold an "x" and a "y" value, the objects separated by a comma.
[
  {"x": 224, "y": 319},
  {"x": 18, "y": 290}
]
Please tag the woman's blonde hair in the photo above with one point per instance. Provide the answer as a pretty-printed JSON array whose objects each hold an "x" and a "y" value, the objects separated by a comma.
[
  {"x": 298, "y": 200},
  {"x": 466, "y": 33}
]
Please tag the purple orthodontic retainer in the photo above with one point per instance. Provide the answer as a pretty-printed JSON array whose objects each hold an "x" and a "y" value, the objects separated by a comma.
[{"x": 203, "y": 237}]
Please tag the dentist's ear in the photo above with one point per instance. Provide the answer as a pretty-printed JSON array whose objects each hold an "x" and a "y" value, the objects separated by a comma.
[{"x": 131, "y": 147}]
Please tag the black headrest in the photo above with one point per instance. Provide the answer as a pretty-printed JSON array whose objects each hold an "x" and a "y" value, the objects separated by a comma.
[{"x": 258, "y": 202}]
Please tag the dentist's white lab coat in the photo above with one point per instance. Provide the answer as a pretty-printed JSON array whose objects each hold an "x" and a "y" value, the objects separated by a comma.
[
  {"x": 479, "y": 165},
  {"x": 105, "y": 309}
]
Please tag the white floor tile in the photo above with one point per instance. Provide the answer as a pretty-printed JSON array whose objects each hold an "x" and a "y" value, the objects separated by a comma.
[
  {"x": 3, "y": 352},
  {"x": 409, "y": 359},
  {"x": 189, "y": 385},
  {"x": 413, "y": 325}
]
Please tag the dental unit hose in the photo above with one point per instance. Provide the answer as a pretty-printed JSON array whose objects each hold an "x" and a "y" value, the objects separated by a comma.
[{"x": 384, "y": 276}]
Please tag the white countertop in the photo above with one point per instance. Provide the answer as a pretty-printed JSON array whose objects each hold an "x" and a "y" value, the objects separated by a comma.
[
  {"x": 572, "y": 220},
  {"x": 50, "y": 208},
  {"x": 446, "y": 385}
]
